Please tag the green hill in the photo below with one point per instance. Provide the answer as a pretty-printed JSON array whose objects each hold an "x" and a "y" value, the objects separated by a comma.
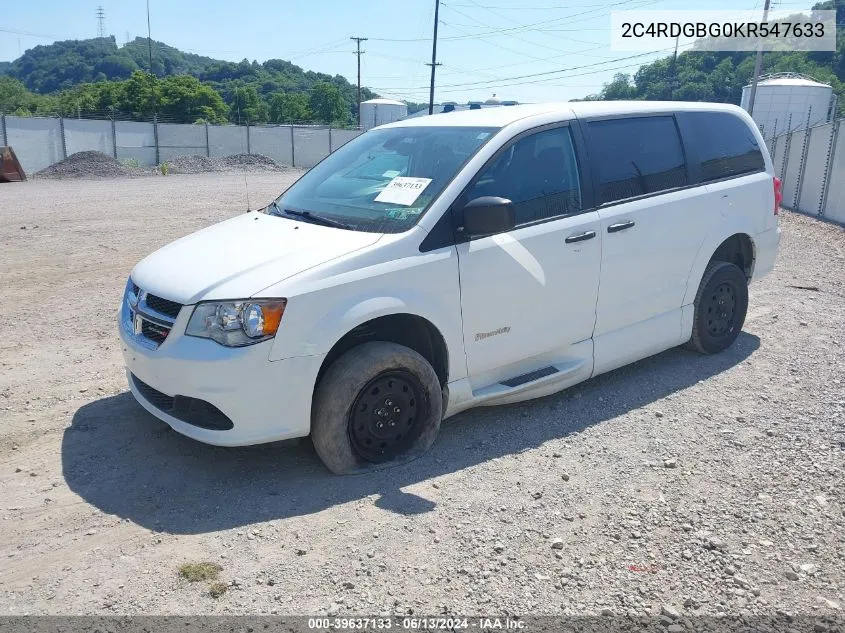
[{"x": 75, "y": 75}]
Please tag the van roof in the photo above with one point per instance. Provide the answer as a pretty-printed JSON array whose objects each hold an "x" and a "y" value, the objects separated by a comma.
[{"x": 505, "y": 115}]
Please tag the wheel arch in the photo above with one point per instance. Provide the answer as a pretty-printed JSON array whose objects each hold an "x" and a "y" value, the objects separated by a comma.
[
  {"x": 402, "y": 327},
  {"x": 736, "y": 247}
]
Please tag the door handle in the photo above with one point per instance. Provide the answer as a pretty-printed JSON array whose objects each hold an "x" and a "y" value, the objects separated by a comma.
[
  {"x": 621, "y": 226},
  {"x": 587, "y": 235}
]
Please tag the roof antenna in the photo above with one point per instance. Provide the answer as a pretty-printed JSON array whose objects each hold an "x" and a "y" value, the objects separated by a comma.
[{"x": 246, "y": 183}]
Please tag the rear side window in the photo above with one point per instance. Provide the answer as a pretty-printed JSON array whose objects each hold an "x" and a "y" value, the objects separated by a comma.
[
  {"x": 636, "y": 156},
  {"x": 723, "y": 143}
]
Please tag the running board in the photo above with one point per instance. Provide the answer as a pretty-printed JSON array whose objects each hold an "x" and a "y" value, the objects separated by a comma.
[
  {"x": 529, "y": 377},
  {"x": 525, "y": 382}
]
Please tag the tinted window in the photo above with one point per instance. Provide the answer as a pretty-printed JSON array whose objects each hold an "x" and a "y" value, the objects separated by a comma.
[
  {"x": 636, "y": 156},
  {"x": 538, "y": 173},
  {"x": 723, "y": 143}
]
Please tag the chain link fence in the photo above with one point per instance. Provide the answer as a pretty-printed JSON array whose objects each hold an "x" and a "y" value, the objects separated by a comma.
[{"x": 41, "y": 141}]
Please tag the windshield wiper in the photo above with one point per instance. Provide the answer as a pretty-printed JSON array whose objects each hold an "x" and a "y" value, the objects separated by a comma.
[
  {"x": 309, "y": 217},
  {"x": 276, "y": 207}
]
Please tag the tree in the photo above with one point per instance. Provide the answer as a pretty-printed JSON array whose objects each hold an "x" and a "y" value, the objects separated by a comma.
[
  {"x": 139, "y": 94},
  {"x": 289, "y": 108},
  {"x": 327, "y": 104},
  {"x": 16, "y": 99},
  {"x": 620, "y": 88},
  {"x": 246, "y": 106},
  {"x": 184, "y": 98}
]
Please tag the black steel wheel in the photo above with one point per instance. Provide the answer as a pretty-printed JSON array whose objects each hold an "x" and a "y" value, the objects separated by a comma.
[
  {"x": 379, "y": 404},
  {"x": 385, "y": 418},
  {"x": 720, "y": 307}
]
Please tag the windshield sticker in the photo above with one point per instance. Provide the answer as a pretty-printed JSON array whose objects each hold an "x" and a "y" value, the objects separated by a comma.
[
  {"x": 403, "y": 190},
  {"x": 391, "y": 173},
  {"x": 482, "y": 136}
]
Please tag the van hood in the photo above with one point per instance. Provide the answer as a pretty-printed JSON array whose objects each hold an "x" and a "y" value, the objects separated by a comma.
[{"x": 240, "y": 257}]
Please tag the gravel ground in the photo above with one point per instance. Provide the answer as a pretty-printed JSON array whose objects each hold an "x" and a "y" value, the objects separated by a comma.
[
  {"x": 97, "y": 165},
  {"x": 681, "y": 486}
]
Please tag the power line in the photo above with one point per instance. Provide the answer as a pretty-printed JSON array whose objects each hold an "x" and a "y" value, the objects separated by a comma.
[
  {"x": 522, "y": 28},
  {"x": 516, "y": 37},
  {"x": 358, "y": 52},
  {"x": 478, "y": 84},
  {"x": 522, "y": 8}
]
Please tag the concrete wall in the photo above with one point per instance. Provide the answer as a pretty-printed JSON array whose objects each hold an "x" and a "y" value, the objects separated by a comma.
[
  {"x": 39, "y": 142},
  {"x": 813, "y": 172}
]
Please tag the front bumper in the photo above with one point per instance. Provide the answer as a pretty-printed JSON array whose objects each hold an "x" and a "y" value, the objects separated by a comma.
[{"x": 265, "y": 400}]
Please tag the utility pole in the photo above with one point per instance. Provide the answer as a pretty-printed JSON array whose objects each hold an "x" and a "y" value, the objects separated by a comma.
[
  {"x": 359, "y": 52},
  {"x": 674, "y": 81},
  {"x": 149, "y": 38},
  {"x": 433, "y": 63},
  {"x": 758, "y": 64}
]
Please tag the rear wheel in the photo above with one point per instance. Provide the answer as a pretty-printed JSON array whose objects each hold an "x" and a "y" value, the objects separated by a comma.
[
  {"x": 380, "y": 403},
  {"x": 720, "y": 307}
]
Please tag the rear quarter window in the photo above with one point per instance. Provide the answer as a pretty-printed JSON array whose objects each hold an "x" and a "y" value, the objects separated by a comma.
[{"x": 722, "y": 144}]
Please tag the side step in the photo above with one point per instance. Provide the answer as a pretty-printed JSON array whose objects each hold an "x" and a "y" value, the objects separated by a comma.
[
  {"x": 529, "y": 377},
  {"x": 558, "y": 373}
]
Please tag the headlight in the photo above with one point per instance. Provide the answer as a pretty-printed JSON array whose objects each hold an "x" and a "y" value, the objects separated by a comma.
[{"x": 237, "y": 323}]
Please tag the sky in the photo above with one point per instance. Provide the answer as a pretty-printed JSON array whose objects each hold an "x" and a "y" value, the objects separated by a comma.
[{"x": 523, "y": 50}]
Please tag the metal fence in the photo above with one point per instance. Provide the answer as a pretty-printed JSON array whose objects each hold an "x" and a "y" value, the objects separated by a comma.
[
  {"x": 41, "y": 141},
  {"x": 811, "y": 164}
]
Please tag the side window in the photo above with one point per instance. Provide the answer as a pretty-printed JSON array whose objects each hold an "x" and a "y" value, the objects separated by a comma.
[
  {"x": 723, "y": 143},
  {"x": 636, "y": 156},
  {"x": 538, "y": 173}
]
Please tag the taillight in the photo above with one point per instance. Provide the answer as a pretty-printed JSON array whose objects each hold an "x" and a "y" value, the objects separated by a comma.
[{"x": 778, "y": 193}]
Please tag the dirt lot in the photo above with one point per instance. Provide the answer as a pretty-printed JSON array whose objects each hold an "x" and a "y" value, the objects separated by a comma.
[{"x": 687, "y": 484}]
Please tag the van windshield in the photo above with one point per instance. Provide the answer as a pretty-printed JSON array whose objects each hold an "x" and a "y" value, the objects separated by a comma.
[{"x": 383, "y": 180}]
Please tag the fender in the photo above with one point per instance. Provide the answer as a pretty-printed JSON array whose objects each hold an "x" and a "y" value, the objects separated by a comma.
[
  {"x": 324, "y": 333},
  {"x": 737, "y": 224}
]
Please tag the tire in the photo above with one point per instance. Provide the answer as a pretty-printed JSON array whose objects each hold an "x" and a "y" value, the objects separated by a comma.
[
  {"x": 720, "y": 307},
  {"x": 378, "y": 405}
]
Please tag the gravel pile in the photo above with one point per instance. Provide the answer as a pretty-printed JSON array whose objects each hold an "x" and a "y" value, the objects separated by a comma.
[
  {"x": 98, "y": 165},
  {"x": 85, "y": 165},
  {"x": 196, "y": 164}
]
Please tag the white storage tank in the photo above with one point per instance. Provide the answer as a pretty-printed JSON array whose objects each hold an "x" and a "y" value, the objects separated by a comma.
[
  {"x": 785, "y": 94},
  {"x": 380, "y": 111}
]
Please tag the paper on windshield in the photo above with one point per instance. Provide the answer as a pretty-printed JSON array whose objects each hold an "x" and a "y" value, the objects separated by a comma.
[{"x": 403, "y": 190}]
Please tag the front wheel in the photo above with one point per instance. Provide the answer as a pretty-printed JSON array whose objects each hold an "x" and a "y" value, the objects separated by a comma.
[
  {"x": 379, "y": 403},
  {"x": 720, "y": 307}
]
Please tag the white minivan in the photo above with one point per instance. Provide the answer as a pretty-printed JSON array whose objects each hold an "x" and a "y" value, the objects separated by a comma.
[{"x": 444, "y": 262}]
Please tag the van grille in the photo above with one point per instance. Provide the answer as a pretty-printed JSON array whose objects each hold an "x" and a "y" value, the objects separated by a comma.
[
  {"x": 146, "y": 317},
  {"x": 164, "y": 306}
]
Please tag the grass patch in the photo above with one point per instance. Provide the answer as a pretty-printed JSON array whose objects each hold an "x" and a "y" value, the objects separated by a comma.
[
  {"x": 217, "y": 589},
  {"x": 195, "y": 572}
]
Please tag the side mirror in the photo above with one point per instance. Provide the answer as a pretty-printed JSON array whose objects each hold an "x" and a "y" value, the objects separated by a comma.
[{"x": 488, "y": 215}]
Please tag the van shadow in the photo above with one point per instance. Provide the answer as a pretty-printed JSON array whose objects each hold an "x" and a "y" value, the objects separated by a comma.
[{"x": 123, "y": 461}]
